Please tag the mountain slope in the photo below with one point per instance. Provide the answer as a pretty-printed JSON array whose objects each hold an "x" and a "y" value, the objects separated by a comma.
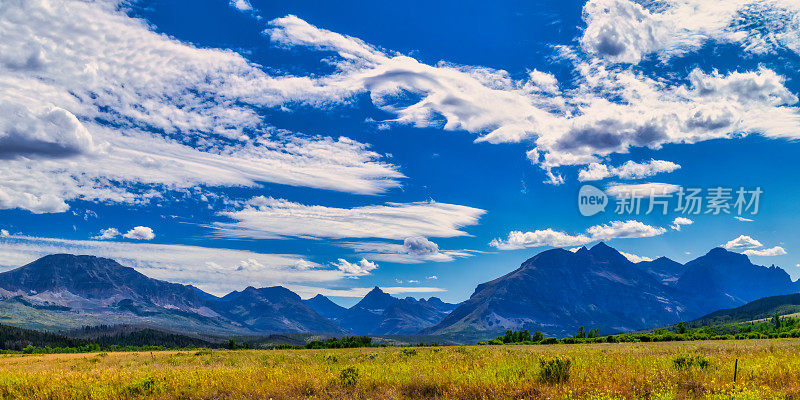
[
  {"x": 557, "y": 290},
  {"x": 663, "y": 269},
  {"x": 379, "y": 313},
  {"x": 723, "y": 279},
  {"x": 273, "y": 309},
  {"x": 325, "y": 307},
  {"x": 763, "y": 308},
  {"x": 62, "y": 292}
]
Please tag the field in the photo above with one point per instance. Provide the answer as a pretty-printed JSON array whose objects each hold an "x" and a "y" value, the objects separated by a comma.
[{"x": 766, "y": 369}]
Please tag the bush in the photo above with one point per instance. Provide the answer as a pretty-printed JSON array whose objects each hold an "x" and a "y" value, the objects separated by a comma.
[
  {"x": 349, "y": 376},
  {"x": 410, "y": 352},
  {"x": 688, "y": 361},
  {"x": 554, "y": 370},
  {"x": 550, "y": 340}
]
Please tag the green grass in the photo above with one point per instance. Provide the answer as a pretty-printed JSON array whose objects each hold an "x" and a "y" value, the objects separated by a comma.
[{"x": 767, "y": 369}]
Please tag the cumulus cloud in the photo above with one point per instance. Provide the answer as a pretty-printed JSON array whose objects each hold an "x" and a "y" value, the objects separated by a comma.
[
  {"x": 216, "y": 270},
  {"x": 241, "y": 5},
  {"x": 174, "y": 116},
  {"x": 626, "y": 31},
  {"x": 549, "y": 237},
  {"x": 545, "y": 237},
  {"x": 774, "y": 251},
  {"x": 413, "y": 250},
  {"x": 610, "y": 110},
  {"x": 263, "y": 217},
  {"x": 634, "y": 258},
  {"x": 677, "y": 223},
  {"x": 419, "y": 245},
  {"x": 742, "y": 242},
  {"x": 356, "y": 269},
  {"x": 108, "y": 233},
  {"x": 628, "y": 170},
  {"x": 624, "y": 229},
  {"x": 140, "y": 233}
]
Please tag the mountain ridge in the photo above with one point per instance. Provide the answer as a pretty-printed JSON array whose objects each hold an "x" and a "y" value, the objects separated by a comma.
[{"x": 556, "y": 291}]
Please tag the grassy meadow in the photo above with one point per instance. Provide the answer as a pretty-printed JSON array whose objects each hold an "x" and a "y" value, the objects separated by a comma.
[{"x": 767, "y": 369}]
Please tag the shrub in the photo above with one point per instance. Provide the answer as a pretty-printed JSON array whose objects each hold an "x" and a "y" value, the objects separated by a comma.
[
  {"x": 688, "y": 361},
  {"x": 550, "y": 340},
  {"x": 410, "y": 352},
  {"x": 349, "y": 376},
  {"x": 554, "y": 370}
]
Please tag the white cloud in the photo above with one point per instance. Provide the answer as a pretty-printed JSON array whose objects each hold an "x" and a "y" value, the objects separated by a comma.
[
  {"x": 215, "y": 270},
  {"x": 356, "y": 269},
  {"x": 176, "y": 116},
  {"x": 419, "y": 245},
  {"x": 680, "y": 221},
  {"x": 108, "y": 233},
  {"x": 4, "y": 232},
  {"x": 624, "y": 229},
  {"x": 434, "y": 277},
  {"x": 742, "y": 242},
  {"x": 642, "y": 190},
  {"x": 265, "y": 217},
  {"x": 610, "y": 110},
  {"x": 627, "y": 31},
  {"x": 140, "y": 233},
  {"x": 538, "y": 238},
  {"x": 549, "y": 237},
  {"x": 775, "y": 251},
  {"x": 628, "y": 170},
  {"x": 634, "y": 258},
  {"x": 742, "y": 219},
  {"x": 413, "y": 250},
  {"x": 241, "y": 5}
]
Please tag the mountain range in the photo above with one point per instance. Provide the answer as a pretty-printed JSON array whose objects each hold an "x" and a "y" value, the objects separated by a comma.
[{"x": 556, "y": 291}]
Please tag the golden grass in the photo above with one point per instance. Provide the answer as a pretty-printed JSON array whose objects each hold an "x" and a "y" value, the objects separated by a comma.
[{"x": 768, "y": 369}]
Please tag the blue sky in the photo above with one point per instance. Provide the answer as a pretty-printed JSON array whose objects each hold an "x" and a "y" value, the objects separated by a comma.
[{"x": 423, "y": 147}]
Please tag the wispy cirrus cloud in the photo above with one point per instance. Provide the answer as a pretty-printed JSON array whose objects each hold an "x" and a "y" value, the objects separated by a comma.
[
  {"x": 174, "y": 116},
  {"x": 413, "y": 250},
  {"x": 269, "y": 218}
]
